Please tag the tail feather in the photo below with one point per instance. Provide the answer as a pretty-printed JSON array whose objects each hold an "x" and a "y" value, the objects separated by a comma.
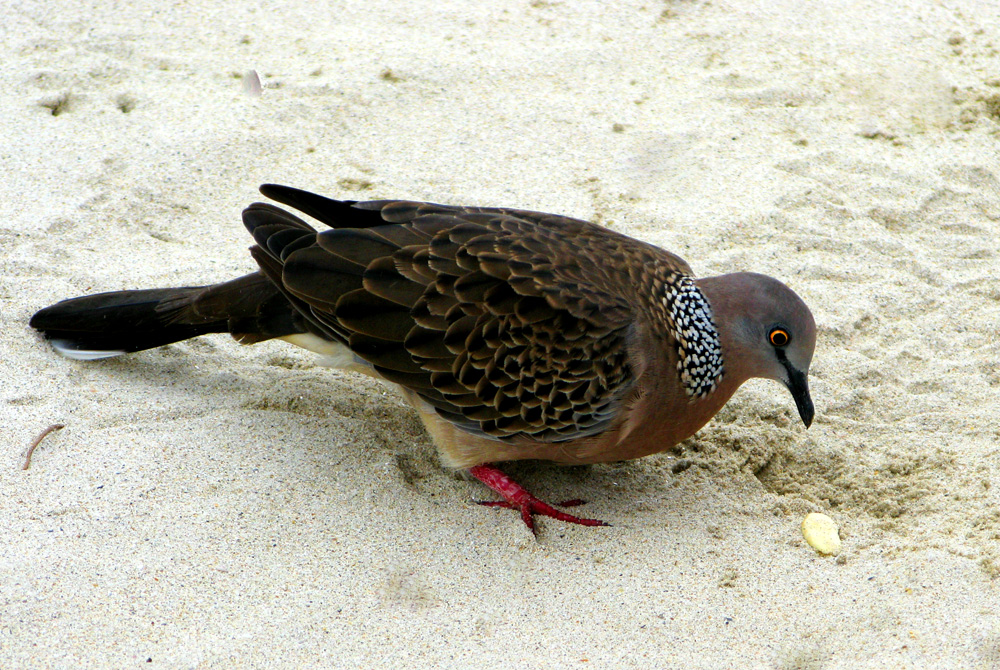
[
  {"x": 252, "y": 308},
  {"x": 98, "y": 326}
]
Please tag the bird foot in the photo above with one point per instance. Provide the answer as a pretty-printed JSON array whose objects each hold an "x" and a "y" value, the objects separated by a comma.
[{"x": 517, "y": 498}]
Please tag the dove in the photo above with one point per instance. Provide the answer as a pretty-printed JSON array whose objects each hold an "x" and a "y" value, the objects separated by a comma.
[{"x": 515, "y": 334}]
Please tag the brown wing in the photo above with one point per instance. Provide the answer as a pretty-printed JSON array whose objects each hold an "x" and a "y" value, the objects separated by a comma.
[{"x": 509, "y": 323}]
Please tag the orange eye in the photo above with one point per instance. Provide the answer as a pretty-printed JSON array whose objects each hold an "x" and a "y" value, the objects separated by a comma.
[{"x": 779, "y": 337}]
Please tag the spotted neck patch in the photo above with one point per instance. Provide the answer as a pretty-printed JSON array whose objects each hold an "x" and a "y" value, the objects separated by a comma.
[{"x": 699, "y": 354}]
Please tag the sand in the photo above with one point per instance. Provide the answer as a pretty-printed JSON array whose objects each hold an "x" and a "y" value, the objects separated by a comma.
[{"x": 212, "y": 505}]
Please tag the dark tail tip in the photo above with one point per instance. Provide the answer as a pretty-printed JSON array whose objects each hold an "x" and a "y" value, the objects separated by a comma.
[{"x": 110, "y": 324}]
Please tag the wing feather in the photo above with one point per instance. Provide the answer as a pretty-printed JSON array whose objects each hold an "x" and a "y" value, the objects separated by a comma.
[{"x": 512, "y": 324}]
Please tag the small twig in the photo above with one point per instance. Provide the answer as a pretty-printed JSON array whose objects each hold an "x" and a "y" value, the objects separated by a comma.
[{"x": 51, "y": 429}]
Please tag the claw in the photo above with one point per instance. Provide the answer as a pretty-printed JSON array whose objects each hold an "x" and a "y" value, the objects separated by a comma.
[{"x": 517, "y": 498}]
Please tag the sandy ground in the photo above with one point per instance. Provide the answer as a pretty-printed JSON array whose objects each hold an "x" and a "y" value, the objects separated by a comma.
[{"x": 211, "y": 505}]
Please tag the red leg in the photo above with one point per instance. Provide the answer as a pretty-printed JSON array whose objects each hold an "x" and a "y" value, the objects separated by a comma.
[{"x": 517, "y": 498}]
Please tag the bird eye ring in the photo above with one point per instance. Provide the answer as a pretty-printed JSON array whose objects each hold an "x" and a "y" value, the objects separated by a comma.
[{"x": 779, "y": 337}]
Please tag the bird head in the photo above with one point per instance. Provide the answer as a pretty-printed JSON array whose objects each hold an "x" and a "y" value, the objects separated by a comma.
[{"x": 766, "y": 330}]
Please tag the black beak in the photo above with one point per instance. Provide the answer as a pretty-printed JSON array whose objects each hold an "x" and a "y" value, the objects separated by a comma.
[{"x": 799, "y": 386}]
